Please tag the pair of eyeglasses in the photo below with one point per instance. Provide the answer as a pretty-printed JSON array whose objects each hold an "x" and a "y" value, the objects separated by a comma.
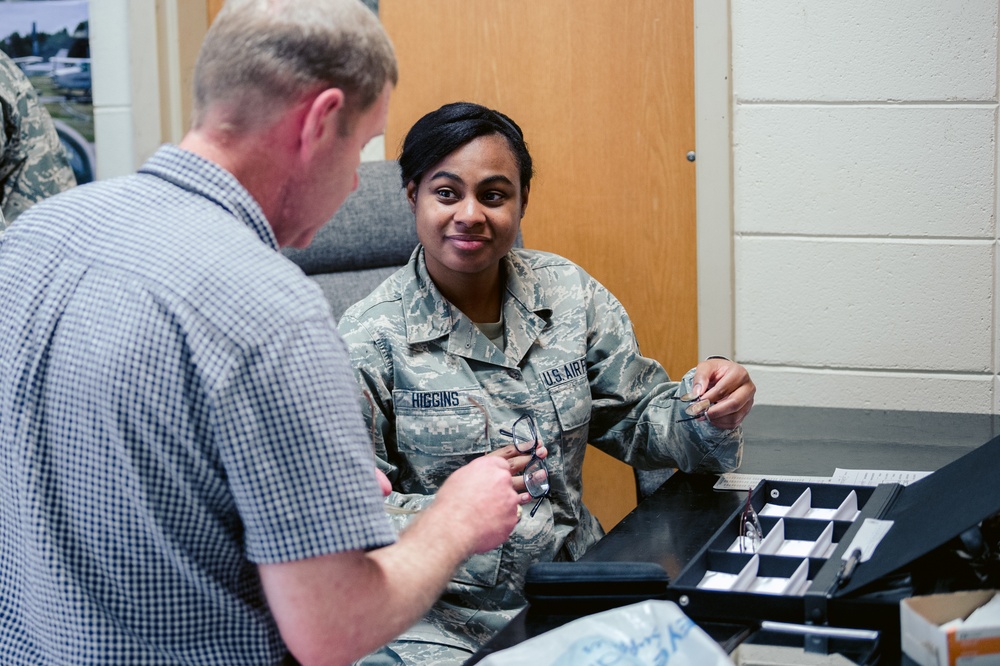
[
  {"x": 751, "y": 534},
  {"x": 536, "y": 474},
  {"x": 525, "y": 436},
  {"x": 695, "y": 410}
]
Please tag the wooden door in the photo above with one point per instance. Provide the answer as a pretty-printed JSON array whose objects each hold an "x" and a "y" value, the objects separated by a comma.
[
  {"x": 605, "y": 94},
  {"x": 213, "y": 7}
]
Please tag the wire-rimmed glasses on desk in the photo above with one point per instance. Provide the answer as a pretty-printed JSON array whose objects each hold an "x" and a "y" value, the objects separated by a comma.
[{"x": 751, "y": 534}]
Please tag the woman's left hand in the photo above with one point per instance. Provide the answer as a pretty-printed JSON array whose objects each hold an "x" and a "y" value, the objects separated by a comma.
[
  {"x": 729, "y": 389},
  {"x": 517, "y": 462}
]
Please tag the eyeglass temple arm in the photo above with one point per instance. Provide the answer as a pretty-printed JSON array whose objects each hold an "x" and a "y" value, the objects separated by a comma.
[{"x": 538, "y": 503}]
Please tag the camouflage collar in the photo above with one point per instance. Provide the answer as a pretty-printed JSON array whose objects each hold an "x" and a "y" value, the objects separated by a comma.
[
  {"x": 429, "y": 316},
  {"x": 523, "y": 285},
  {"x": 426, "y": 311}
]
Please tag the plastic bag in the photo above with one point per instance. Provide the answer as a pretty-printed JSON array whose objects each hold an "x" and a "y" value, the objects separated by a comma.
[{"x": 649, "y": 633}]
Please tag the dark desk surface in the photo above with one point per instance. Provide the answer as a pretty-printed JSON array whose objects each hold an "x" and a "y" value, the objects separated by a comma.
[{"x": 672, "y": 525}]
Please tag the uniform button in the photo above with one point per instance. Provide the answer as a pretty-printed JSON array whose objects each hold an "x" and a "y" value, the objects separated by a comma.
[{"x": 514, "y": 374}]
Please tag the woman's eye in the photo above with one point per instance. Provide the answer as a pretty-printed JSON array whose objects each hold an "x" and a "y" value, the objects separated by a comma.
[
  {"x": 444, "y": 193},
  {"x": 493, "y": 197}
]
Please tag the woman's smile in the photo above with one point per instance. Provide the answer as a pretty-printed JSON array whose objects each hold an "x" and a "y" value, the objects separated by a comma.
[{"x": 467, "y": 242}]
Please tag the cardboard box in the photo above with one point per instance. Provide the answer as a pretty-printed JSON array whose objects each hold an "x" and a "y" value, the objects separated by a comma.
[
  {"x": 779, "y": 655},
  {"x": 926, "y": 642}
]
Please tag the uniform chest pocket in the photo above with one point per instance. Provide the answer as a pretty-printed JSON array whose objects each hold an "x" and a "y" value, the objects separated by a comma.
[
  {"x": 437, "y": 432},
  {"x": 572, "y": 402}
]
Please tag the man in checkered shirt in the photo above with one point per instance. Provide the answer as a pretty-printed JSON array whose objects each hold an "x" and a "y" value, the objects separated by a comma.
[{"x": 185, "y": 476}]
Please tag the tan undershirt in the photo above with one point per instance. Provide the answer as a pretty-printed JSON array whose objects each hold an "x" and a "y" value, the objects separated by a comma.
[{"x": 493, "y": 331}]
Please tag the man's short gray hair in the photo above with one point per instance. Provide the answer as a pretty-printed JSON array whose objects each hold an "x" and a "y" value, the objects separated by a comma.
[{"x": 261, "y": 55}]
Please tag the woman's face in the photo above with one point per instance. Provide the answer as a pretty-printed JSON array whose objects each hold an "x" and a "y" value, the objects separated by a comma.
[{"x": 468, "y": 208}]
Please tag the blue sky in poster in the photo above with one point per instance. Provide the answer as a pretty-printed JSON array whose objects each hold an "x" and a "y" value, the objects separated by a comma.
[{"x": 50, "y": 16}]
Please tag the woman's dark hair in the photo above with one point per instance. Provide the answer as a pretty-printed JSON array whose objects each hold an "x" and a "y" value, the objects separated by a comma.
[{"x": 441, "y": 132}]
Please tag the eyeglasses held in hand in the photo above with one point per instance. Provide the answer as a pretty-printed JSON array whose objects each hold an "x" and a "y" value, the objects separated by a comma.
[
  {"x": 525, "y": 436},
  {"x": 751, "y": 534},
  {"x": 536, "y": 474}
]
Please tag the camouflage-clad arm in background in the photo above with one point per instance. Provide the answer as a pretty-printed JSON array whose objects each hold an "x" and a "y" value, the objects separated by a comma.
[
  {"x": 634, "y": 413},
  {"x": 33, "y": 163}
]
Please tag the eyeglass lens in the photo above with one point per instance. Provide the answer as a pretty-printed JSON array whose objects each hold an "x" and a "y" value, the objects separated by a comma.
[
  {"x": 524, "y": 434},
  {"x": 536, "y": 478}
]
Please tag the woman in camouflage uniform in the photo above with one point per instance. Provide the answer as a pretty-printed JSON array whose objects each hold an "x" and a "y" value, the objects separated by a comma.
[{"x": 472, "y": 334}]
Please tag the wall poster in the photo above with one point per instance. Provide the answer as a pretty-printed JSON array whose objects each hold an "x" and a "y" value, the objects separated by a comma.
[{"x": 49, "y": 40}]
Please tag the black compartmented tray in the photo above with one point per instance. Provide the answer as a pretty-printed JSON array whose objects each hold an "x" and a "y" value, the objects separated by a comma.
[{"x": 798, "y": 580}]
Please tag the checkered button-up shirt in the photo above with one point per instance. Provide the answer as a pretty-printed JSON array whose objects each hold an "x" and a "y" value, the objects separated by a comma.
[{"x": 175, "y": 408}]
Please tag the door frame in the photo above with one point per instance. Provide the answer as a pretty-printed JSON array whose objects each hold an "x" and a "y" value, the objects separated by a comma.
[{"x": 713, "y": 177}]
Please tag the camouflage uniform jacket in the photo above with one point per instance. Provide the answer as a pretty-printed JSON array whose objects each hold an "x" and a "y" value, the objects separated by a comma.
[
  {"x": 570, "y": 359},
  {"x": 33, "y": 163}
]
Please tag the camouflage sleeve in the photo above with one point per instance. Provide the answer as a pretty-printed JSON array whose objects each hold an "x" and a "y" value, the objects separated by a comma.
[
  {"x": 373, "y": 372},
  {"x": 634, "y": 415},
  {"x": 33, "y": 162}
]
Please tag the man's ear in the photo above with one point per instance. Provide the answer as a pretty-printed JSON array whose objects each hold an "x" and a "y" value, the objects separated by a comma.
[
  {"x": 411, "y": 195},
  {"x": 322, "y": 118}
]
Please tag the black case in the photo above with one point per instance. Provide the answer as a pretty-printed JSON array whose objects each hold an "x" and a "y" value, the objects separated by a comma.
[
  {"x": 578, "y": 588},
  {"x": 910, "y": 559}
]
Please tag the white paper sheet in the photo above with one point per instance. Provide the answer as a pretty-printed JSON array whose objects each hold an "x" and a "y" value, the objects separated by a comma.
[
  {"x": 873, "y": 477},
  {"x": 744, "y": 482},
  {"x": 841, "y": 476}
]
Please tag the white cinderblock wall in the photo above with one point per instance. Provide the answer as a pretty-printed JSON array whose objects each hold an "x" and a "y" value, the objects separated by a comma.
[{"x": 864, "y": 139}]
